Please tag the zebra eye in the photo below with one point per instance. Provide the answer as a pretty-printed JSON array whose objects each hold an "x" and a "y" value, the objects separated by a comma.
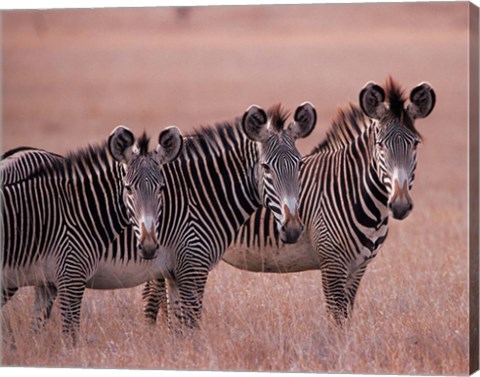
[
  {"x": 415, "y": 143},
  {"x": 266, "y": 167},
  {"x": 128, "y": 189}
]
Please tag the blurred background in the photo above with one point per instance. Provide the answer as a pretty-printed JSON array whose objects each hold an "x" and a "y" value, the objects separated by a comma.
[{"x": 71, "y": 76}]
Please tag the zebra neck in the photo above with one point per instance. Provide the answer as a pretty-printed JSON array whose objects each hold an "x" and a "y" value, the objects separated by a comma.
[
  {"x": 95, "y": 188},
  {"x": 215, "y": 185},
  {"x": 373, "y": 185},
  {"x": 252, "y": 181},
  {"x": 255, "y": 182}
]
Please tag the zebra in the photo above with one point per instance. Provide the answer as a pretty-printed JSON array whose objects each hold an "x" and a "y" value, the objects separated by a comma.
[
  {"x": 226, "y": 172},
  {"x": 352, "y": 182},
  {"x": 59, "y": 215},
  {"x": 231, "y": 162}
]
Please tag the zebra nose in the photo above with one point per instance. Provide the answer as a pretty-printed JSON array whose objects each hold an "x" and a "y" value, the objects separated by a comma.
[
  {"x": 148, "y": 251},
  {"x": 400, "y": 203},
  {"x": 292, "y": 227},
  {"x": 148, "y": 243},
  {"x": 291, "y": 231},
  {"x": 400, "y": 210},
  {"x": 291, "y": 234},
  {"x": 285, "y": 229}
]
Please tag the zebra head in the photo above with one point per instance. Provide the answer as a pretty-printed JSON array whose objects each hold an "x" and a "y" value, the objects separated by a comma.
[
  {"x": 143, "y": 180},
  {"x": 395, "y": 138},
  {"x": 278, "y": 169}
]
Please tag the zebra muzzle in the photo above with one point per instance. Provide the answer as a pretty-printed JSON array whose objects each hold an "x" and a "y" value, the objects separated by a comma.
[
  {"x": 400, "y": 203},
  {"x": 292, "y": 227},
  {"x": 148, "y": 244}
]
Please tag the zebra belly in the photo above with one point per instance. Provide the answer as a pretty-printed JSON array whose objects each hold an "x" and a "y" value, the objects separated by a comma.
[
  {"x": 37, "y": 274},
  {"x": 127, "y": 274},
  {"x": 286, "y": 258}
]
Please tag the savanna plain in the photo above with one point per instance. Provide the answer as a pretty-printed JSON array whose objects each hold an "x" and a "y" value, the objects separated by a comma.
[{"x": 69, "y": 77}]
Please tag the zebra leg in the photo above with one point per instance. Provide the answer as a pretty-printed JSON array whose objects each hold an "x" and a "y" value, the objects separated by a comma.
[
  {"x": 352, "y": 284},
  {"x": 154, "y": 295},
  {"x": 334, "y": 283},
  {"x": 7, "y": 294},
  {"x": 191, "y": 287},
  {"x": 70, "y": 294},
  {"x": 174, "y": 306},
  {"x": 44, "y": 298}
]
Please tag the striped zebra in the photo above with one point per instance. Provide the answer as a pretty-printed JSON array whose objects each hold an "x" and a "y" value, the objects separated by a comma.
[
  {"x": 60, "y": 215},
  {"x": 351, "y": 182},
  {"x": 225, "y": 173}
]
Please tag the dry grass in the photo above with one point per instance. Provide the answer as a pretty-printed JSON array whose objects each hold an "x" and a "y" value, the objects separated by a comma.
[
  {"x": 411, "y": 317},
  {"x": 70, "y": 77}
]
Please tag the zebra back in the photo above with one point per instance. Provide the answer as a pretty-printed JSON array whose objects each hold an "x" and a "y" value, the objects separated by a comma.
[{"x": 19, "y": 163}]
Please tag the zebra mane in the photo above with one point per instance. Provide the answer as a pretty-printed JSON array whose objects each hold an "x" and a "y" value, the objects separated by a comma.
[
  {"x": 142, "y": 144},
  {"x": 82, "y": 157},
  {"x": 351, "y": 122},
  {"x": 219, "y": 136},
  {"x": 52, "y": 163},
  {"x": 278, "y": 116},
  {"x": 396, "y": 104},
  {"x": 99, "y": 152},
  {"x": 348, "y": 124},
  {"x": 92, "y": 152}
]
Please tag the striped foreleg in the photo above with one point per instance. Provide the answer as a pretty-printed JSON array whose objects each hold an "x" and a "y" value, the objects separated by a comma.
[
  {"x": 352, "y": 284},
  {"x": 155, "y": 298},
  {"x": 334, "y": 277},
  {"x": 191, "y": 288},
  {"x": 70, "y": 295}
]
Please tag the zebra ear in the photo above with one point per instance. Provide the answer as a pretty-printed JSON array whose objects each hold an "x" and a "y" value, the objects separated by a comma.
[
  {"x": 422, "y": 101},
  {"x": 305, "y": 118},
  {"x": 170, "y": 143},
  {"x": 254, "y": 123},
  {"x": 120, "y": 144},
  {"x": 372, "y": 100}
]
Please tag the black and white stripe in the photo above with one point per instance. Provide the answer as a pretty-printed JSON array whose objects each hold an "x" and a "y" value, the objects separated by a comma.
[
  {"x": 59, "y": 215},
  {"x": 226, "y": 173},
  {"x": 206, "y": 194},
  {"x": 351, "y": 183}
]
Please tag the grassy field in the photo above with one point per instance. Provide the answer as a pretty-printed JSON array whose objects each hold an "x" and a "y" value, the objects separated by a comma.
[
  {"x": 69, "y": 77},
  {"x": 411, "y": 317}
]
